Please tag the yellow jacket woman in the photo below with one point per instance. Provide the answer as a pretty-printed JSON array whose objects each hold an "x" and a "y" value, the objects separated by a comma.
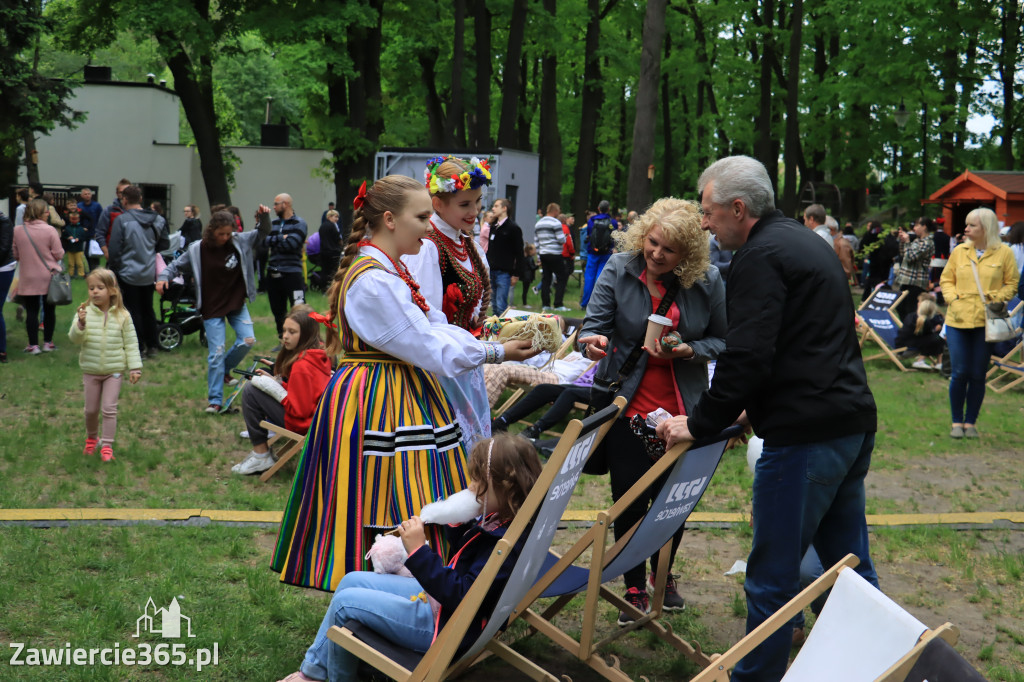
[
  {"x": 969, "y": 352},
  {"x": 997, "y": 270}
]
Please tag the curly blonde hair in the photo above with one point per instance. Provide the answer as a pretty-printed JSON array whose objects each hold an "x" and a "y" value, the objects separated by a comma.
[{"x": 680, "y": 223}]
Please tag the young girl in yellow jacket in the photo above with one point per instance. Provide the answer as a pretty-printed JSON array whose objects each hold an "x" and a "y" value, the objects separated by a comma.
[{"x": 104, "y": 330}]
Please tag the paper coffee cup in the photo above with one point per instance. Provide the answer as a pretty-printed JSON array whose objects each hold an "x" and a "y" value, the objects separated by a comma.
[{"x": 656, "y": 326}]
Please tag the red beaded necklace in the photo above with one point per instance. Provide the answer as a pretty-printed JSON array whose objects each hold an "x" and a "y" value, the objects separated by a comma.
[
  {"x": 460, "y": 250},
  {"x": 403, "y": 273}
]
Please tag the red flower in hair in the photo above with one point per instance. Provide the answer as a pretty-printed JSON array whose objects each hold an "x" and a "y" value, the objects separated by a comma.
[{"x": 360, "y": 199}]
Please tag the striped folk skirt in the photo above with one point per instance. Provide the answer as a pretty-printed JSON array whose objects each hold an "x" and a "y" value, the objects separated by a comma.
[{"x": 382, "y": 444}]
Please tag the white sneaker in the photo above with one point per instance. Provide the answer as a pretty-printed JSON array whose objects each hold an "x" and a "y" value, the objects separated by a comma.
[
  {"x": 921, "y": 363},
  {"x": 243, "y": 434},
  {"x": 254, "y": 464}
]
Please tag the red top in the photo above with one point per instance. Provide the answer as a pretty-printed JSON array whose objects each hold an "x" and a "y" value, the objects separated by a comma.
[
  {"x": 307, "y": 380},
  {"x": 568, "y": 249},
  {"x": 658, "y": 384}
]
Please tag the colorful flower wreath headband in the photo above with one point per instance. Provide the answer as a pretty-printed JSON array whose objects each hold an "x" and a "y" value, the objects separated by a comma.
[{"x": 477, "y": 176}]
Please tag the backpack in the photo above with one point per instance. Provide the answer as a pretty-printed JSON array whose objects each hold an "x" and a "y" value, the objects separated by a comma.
[{"x": 601, "y": 236}]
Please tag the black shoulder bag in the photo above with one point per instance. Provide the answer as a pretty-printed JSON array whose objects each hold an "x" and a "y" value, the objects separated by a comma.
[{"x": 603, "y": 392}]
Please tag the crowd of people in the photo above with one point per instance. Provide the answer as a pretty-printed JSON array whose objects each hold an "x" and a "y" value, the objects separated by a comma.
[{"x": 393, "y": 388}]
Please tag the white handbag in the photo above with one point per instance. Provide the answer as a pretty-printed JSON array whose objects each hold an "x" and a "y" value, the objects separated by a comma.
[{"x": 998, "y": 326}]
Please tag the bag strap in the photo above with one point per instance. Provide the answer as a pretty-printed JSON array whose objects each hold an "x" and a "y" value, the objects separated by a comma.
[
  {"x": 666, "y": 303},
  {"x": 36, "y": 248},
  {"x": 977, "y": 280}
]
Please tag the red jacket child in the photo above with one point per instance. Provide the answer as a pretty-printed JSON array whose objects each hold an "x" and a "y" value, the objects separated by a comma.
[{"x": 306, "y": 383}]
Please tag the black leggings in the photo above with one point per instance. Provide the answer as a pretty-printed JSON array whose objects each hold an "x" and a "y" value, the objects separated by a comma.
[
  {"x": 138, "y": 300},
  {"x": 627, "y": 463},
  {"x": 32, "y": 304},
  {"x": 552, "y": 265},
  {"x": 562, "y": 397}
]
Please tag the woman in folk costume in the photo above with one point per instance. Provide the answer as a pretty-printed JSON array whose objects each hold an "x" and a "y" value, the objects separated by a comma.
[
  {"x": 384, "y": 440},
  {"x": 452, "y": 271}
]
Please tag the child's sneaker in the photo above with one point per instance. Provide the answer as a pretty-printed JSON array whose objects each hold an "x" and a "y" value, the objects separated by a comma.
[
  {"x": 107, "y": 453},
  {"x": 49, "y": 346},
  {"x": 637, "y": 598},
  {"x": 32, "y": 350},
  {"x": 672, "y": 601},
  {"x": 90, "y": 446},
  {"x": 212, "y": 409}
]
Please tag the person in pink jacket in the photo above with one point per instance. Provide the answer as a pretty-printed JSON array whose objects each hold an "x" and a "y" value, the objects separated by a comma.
[{"x": 34, "y": 267}]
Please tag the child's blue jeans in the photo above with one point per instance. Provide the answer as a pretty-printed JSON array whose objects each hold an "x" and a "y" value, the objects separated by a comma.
[{"x": 388, "y": 604}]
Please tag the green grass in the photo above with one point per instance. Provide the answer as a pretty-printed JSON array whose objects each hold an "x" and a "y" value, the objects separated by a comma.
[{"x": 87, "y": 584}]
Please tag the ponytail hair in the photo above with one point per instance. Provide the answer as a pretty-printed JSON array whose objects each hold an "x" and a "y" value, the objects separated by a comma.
[
  {"x": 390, "y": 193},
  {"x": 926, "y": 310}
]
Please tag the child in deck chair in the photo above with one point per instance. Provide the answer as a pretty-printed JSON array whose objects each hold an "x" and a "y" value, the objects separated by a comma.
[{"x": 412, "y": 611}]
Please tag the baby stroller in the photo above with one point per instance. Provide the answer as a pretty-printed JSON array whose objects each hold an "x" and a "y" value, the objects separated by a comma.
[{"x": 178, "y": 316}]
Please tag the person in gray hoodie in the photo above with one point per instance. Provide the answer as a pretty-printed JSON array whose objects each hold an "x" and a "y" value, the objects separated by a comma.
[
  {"x": 222, "y": 264},
  {"x": 135, "y": 238}
]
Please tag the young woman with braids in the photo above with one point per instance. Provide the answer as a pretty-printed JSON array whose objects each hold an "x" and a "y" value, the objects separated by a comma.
[
  {"x": 384, "y": 440},
  {"x": 452, "y": 271}
]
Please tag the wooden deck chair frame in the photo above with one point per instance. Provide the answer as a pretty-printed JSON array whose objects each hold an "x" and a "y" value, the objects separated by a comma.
[
  {"x": 291, "y": 445},
  {"x": 721, "y": 664},
  {"x": 554, "y": 487},
  {"x": 586, "y": 649},
  {"x": 1007, "y": 372},
  {"x": 885, "y": 351},
  {"x": 891, "y": 309}
]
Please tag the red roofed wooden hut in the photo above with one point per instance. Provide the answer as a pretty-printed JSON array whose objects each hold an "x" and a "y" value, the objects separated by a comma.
[{"x": 1002, "y": 191}]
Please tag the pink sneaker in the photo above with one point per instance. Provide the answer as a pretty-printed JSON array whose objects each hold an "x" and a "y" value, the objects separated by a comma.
[
  {"x": 49, "y": 346},
  {"x": 90, "y": 446},
  {"x": 32, "y": 350},
  {"x": 107, "y": 453}
]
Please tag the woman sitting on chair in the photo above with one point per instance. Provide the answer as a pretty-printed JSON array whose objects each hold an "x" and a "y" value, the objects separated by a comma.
[{"x": 664, "y": 253}]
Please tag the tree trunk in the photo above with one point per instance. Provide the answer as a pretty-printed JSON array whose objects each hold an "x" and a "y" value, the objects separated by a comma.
[
  {"x": 705, "y": 92},
  {"x": 453, "y": 119},
  {"x": 355, "y": 165},
  {"x": 524, "y": 112},
  {"x": 337, "y": 108},
  {"x": 550, "y": 139},
  {"x": 194, "y": 85},
  {"x": 480, "y": 136},
  {"x": 638, "y": 195},
  {"x": 763, "y": 142},
  {"x": 31, "y": 167},
  {"x": 793, "y": 155},
  {"x": 1010, "y": 30},
  {"x": 668, "y": 154},
  {"x": 589, "y": 109},
  {"x": 435, "y": 113},
  {"x": 511, "y": 76}
]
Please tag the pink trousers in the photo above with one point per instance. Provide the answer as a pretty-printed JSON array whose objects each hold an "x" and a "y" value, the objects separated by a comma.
[{"x": 101, "y": 392}]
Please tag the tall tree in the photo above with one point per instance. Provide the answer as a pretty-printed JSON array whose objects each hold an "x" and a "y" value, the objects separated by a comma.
[
  {"x": 549, "y": 142},
  {"x": 1009, "y": 56},
  {"x": 511, "y": 76},
  {"x": 638, "y": 195},
  {"x": 792, "y": 147},
  {"x": 481, "y": 129}
]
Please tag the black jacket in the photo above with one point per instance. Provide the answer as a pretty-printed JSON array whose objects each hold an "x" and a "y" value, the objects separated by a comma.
[
  {"x": 506, "y": 247},
  {"x": 791, "y": 359},
  {"x": 6, "y": 239}
]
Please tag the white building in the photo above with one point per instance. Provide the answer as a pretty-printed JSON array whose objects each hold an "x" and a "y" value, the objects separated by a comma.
[{"x": 131, "y": 131}]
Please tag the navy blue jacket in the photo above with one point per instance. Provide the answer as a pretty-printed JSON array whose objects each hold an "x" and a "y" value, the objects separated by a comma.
[
  {"x": 91, "y": 214},
  {"x": 471, "y": 547},
  {"x": 285, "y": 241}
]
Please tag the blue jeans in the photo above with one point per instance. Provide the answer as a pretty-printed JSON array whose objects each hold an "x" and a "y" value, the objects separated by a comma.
[
  {"x": 501, "y": 287},
  {"x": 5, "y": 285},
  {"x": 812, "y": 492},
  {"x": 383, "y": 603},
  {"x": 595, "y": 264},
  {"x": 968, "y": 355},
  {"x": 221, "y": 362}
]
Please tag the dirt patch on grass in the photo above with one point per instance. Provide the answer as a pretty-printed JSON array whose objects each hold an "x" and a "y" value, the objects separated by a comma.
[{"x": 970, "y": 481}]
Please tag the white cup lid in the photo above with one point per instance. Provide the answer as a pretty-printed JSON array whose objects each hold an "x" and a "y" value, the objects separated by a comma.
[{"x": 660, "y": 319}]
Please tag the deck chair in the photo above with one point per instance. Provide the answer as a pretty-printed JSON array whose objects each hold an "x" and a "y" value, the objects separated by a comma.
[
  {"x": 289, "y": 444},
  {"x": 880, "y": 328},
  {"x": 1008, "y": 371},
  {"x": 940, "y": 661},
  {"x": 543, "y": 509},
  {"x": 860, "y": 634},
  {"x": 884, "y": 300},
  {"x": 689, "y": 471}
]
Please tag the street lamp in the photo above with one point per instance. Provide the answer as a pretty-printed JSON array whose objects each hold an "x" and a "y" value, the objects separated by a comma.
[{"x": 901, "y": 116}]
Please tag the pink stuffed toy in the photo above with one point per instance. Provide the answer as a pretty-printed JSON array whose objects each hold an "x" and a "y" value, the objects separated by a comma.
[{"x": 388, "y": 553}]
